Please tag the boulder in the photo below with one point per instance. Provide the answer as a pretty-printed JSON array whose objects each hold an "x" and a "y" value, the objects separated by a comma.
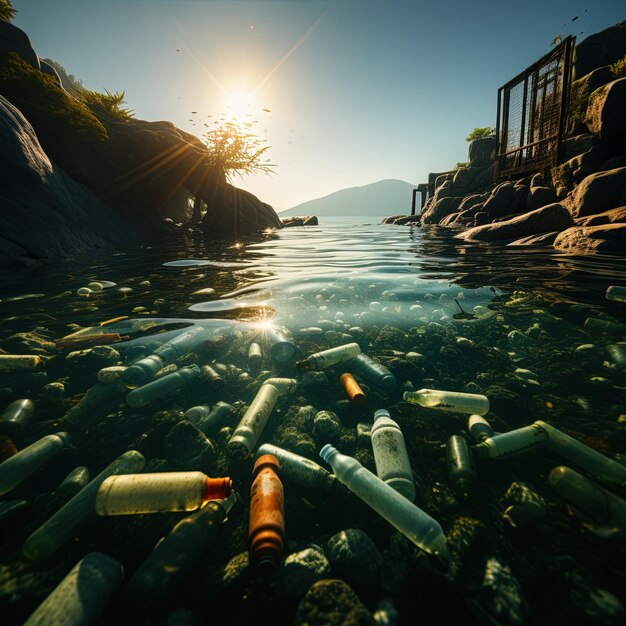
[
  {"x": 580, "y": 91},
  {"x": 13, "y": 39},
  {"x": 599, "y": 192},
  {"x": 548, "y": 218},
  {"x": 471, "y": 201},
  {"x": 407, "y": 219},
  {"x": 586, "y": 239},
  {"x": 354, "y": 557},
  {"x": 499, "y": 200},
  {"x": 543, "y": 239},
  {"x": 300, "y": 570},
  {"x": 482, "y": 151},
  {"x": 306, "y": 220},
  {"x": 440, "y": 209},
  {"x": 600, "y": 49},
  {"x": 45, "y": 214},
  {"x": 465, "y": 178},
  {"x": 605, "y": 112},
  {"x": 567, "y": 175},
  {"x": 573, "y": 146},
  {"x": 540, "y": 196},
  {"x": 449, "y": 220},
  {"x": 332, "y": 603},
  {"x": 612, "y": 216}
]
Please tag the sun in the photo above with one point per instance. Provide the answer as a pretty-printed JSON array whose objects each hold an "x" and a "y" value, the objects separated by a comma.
[{"x": 239, "y": 104}]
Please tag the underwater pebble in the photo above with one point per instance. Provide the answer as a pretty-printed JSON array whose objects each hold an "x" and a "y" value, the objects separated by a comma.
[
  {"x": 300, "y": 570},
  {"x": 354, "y": 557},
  {"x": 83, "y": 291},
  {"x": 326, "y": 425}
]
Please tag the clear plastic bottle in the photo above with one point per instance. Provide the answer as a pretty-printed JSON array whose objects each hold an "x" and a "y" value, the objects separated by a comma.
[
  {"x": 598, "y": 465},
  {"x": 174, "y": 556},
  {"x": 209, "y": 373},
  {"x": 255, "y": 418},
  {"x": 62, "y": 526},
  {"x": 197, "y": 413},
  {"x": 162, "y": 386},
  {"x": 375, "y": 373},
  {"x": 81, "y": 596},
  {"x": 421, "y": 529},
  {"x": 209, "y": 423},
  {"x": 513, "y": 442},
  {"x": 133, "y": 494},
  {"x": 327, "y": 358},
  {"x": 461, "y": 469},
  {"x": 453, "y": 401},
  {"x": 16, "y": 418},
  {"x": 96, "y": 403},
  {"x": 601, "y": 505},
  {"x": 299, "y": 469},
  {"x": 144, "y": 370},
  {"x": 391, "y": 456},
  {"x": 26, "y": 462},
  {"x": 281, "y": 348},
  {"x": 479, "y": 428}
]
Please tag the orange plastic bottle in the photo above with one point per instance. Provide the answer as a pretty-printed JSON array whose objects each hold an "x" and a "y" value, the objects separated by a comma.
[
  {"x": 354, "y": 391},
  {"x": 267, "y": 516}
]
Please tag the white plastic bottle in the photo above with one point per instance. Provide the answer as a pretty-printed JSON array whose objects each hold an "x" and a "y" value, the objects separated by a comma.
[
  {"x": 479, "y": 428},
  {"x": 453, "y": 401},
  {"x": 133, "y": 494},
  {"x": 391, "y": 456},
  {"x": 327, "y": 358},
  {"x": 81, "y": 596},
  {"x": 26, "y": 462},
  {"x": 162, "y": 386},
  {"x": 513, "y": 442},
  {"x": 419, "y": 527},
  {"x": 255, "y": 418}
]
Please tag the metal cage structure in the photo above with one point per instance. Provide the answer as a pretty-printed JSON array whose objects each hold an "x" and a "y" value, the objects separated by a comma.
[{"x": 532, "y": 114}]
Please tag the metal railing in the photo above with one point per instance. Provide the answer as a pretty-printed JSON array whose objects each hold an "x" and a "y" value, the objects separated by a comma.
[{"x": 532, "y": 112}]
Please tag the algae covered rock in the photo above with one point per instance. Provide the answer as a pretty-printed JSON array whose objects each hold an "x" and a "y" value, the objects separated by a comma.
[
  {"x": 332, "y": 603},
  {"x": 300, "y": 570},
  {"x": 187, "y": 448},
  {"x": 354, "y": 557}
]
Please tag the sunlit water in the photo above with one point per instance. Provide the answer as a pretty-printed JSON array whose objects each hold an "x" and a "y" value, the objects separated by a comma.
[{"x": 511, "y": 323}]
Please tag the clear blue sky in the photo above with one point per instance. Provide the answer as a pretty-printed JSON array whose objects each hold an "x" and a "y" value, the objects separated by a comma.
[{"x": 358, "y": 90}]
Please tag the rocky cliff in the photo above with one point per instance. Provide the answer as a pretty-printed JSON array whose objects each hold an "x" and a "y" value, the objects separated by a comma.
[
  {"x": 579, "y": 206},
  {"x": 74, "y": 176}
]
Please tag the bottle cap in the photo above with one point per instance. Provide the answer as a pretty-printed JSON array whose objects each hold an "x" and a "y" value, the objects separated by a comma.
[
  {"x": 354, "y": 391},
  {"x": 267, "y": 460},
  {"x": 381, "y": 413},
  {"x": 217, "y": 488}
]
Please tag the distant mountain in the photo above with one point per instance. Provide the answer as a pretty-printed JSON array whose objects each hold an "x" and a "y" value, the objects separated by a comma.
[{"x": 385, "y": 197}]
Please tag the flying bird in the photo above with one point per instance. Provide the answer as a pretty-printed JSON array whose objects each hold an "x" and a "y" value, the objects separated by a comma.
[
  {"x": 266, "y": 110},
  {"x": 574, "y": 18}
]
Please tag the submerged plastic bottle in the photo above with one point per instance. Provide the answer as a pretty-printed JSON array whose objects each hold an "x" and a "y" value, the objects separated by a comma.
[
  {"x": 73, "y": 483},
  {"x": 62, "y": 526},
  {"x": 16, "y": 418},
  {"x": 461, "y": 469},
  {"x": 19, "y": 362},
  {"x": 354, "y": 391},
  {"x": 255, "y": 357},
  {"x": 209, "y": 421},
  {"x": 161, "y": 386},
  {"x": 601, "y": 505},
  {"x": 266, "y": 530},
  {"x": 598, "y": 465},
  {"x": 513, "y": 442},
  {"x": 421, "y": 529},
  {"x": 26, "y": 462},
  {"x": 391, "y": 456},
  {"x": 255, "y": 418},
  {"x": 209, "y": 373},
  {"x": 299, "y": 469},
  {"x": 326, "y": 358},
  {"x": 374, "y": 373},
  {"x": 174, "y": 556},
  {"x": 281, "y": 348},
  {"x": 479, "y": 428},
  {"x": 81, "y": 596},
  {"x": 144, "y": 370},
  {"x": 453, "y": 401},
  {"x": 133, "y": 494},
  {"x": 616, "y": 293}
]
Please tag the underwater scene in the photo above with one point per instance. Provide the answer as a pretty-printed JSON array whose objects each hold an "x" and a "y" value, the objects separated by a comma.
[{"x": 434, "y": 429}]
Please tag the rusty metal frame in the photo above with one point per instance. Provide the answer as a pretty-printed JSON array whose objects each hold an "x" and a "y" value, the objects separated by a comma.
[{"x": 533, "y": 151}]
